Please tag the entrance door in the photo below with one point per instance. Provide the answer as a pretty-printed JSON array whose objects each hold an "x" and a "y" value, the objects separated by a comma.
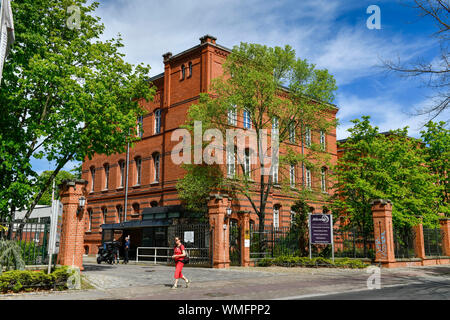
[{"x": 235, "y": 243}]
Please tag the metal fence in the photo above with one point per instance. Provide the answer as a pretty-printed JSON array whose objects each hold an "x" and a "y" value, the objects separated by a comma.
[
  {"x": 433, "y": 241},
  {"x": 32, "y": 238},
  {"x": 354, "y": 244},
  {"x": 273, "y": 242},
  {"x": 404, "y": 238},
  {"x": 195, "y": 238}
]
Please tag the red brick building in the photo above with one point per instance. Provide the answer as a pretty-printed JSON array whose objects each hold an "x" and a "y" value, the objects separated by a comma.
[{"x": 152, "y": 175}]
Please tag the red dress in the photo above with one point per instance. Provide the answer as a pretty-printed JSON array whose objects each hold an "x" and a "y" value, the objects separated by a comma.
[{"x": 178, "y": 264}]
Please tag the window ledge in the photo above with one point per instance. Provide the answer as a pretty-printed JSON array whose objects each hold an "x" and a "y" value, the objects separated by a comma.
[
  {"x": 105, "y": 190},
  {"x": 136, "y": 186},
  {"x": 154, "y": 183},
  {"x": 119, "y": 189}
]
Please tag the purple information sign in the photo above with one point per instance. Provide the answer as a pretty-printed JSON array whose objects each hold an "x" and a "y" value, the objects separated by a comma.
[{"x": 320, "y": 226}]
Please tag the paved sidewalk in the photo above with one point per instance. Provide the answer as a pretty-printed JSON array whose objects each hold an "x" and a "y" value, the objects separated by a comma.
[{"x": 148, "y": 281}]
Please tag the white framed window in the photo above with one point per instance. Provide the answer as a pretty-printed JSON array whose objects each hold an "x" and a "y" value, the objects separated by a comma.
[
  {"x": 292, "y": 175},
  {"x": 322, "y": 140},
  {"x": 190, "y": 69},
  {"x": 323, "y": 180},
  {"x": 138, "y": 170},
  {"x": 276, "y": 217},
  {"x": 291, "y": 133},
  {"x": 308, "y": 178},
  {"x": 139, "y": 127},
  {"x": 275, "y": 123},
  {"x": 231, "y": 164},
  {"x": 106, "y": 167},
  {"x": 119, "y": 213},
  {"x": 122, "y": 172},
  {"x": 104, "y": 214},
  {"x": 89, "y": 220},
  {"x": 292, "y": 217},
  {"x": 183, "y": 72},
  {"x": 308, "y": 137},
  {"x": 157, "y": 121},
  {"x": 275, "y": 173},
  {"x": 156, "y": 165},
  {"x": 247, "y": 120},
  {"x": 247, "y": 163},
  {"x": 232, "y": 116},
  {"x": 92, "y": 178}
]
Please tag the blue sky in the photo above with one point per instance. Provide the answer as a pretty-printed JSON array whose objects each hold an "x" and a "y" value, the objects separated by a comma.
[{"x": 332, "y": 34}]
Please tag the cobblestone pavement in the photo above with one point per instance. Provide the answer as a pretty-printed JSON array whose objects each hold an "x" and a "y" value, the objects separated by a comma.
[{"x": 149, "y": 281}]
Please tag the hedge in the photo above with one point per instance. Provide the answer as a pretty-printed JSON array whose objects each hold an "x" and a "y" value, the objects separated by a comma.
[
  {"x": 291, "y": 261},
  {"x": 26, "y": 280}
]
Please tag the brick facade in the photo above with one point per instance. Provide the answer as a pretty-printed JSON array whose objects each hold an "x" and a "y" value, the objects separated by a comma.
[{"x": 173, "y": 97}]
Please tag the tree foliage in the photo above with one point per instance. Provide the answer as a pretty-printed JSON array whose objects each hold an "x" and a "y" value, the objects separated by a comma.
[
  {"x": 65, "y": 95},
  {"x": 389, "y": 166},
  {"x": 268, "y": 83}
]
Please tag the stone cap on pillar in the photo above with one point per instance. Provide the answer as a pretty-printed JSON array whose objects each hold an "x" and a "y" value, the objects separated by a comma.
[
  {"x": 71, "y": 183},
  {"x": 380, "y": 201}
]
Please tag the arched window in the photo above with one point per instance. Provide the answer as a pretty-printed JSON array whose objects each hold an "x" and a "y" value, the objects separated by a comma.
[
  {"x": 106, "y": 167},
  {"x": 308, "y": 178},
  {"x": 292, "y": 133},
  {"x": 247, "y": 120},
  {"x": 121, "y": 173},
  {"x": 322, "y": 140},
  {"x": 154, "y": 204},
  {"x": 323, "y": 180},
  {"x": 104, "y": 214},
  {"x": 119, "y": 213},
  {"x": 183, "y": 72},
  {"x": 292, "y": 217},
  {"x": 92, "y": 178},
  {"x": 156, "y": 166},
  {"x": 136, "y": 209},
  {"x": 247, "y": 167},
  {"x": 157, "y": 121},
  {"x": 138, "y": 161},
  {"x": 292, "y": 175},
  {"x": 232, "y": 116},
  {"x": 276, "y": 216},
  {"x": 90, "y": 214},
  {"x": 307, "y": 137},
  {"x": 275, "y": 169},
  {"x": 140, "y": 125},
  {"x": 275, "y": 123},
  {"x": 190, "y": 69},
  {"x": 231, "y": 163}
]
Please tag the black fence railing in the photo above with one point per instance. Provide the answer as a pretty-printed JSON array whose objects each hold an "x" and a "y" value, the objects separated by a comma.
[
  {"x": 404, "y": 238},
  {"x": 32, "y": 238},
  {"x": 433, "y": 241},
  {"x": 273, "y": 242},
  {"x": 354, "y": 244}
]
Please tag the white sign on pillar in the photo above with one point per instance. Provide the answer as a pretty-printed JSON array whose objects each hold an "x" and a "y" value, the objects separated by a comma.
[{"x": 55, "y": 227}]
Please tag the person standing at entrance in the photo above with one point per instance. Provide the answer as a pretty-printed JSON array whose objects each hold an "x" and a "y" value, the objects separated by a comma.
[
  {"x": 179, "y": 253},
  {"x": 127, "y": 247}
]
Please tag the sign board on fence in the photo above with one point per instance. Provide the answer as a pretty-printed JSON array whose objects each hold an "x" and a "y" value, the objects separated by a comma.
[
  {"x": 247, "y": 243},
  {"x": 189, "y": 236},
  {"x": 321, "y": 228}
]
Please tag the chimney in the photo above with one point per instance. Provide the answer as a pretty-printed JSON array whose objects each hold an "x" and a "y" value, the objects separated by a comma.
[
  {"x": 167, "y": 56},
  {"x": 208, "y": 38}
]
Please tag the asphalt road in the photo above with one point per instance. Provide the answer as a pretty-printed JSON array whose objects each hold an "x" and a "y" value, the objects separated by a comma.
[{"x": 425, "y": 290}]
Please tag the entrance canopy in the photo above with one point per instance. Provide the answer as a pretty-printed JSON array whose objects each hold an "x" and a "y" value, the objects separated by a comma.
[{"x": 136, "y": 224}]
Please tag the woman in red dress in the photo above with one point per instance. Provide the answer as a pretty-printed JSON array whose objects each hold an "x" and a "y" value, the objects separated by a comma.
[{"x": 179, "y": 254}]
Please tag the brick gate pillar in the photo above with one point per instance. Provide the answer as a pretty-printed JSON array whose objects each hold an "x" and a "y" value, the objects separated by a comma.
[
  {"x": 419, "y": 242},
  {"x": 445, "y": 227},
  {"x": 245, "y": 239},
  {"x": 383, "y": 233},
  {"x": 72, "y": 230},
  {"x": 220, "y": 246}
]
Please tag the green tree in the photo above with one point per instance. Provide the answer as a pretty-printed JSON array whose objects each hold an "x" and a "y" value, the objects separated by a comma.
[
  {"x": 389, "y": 166},
  {"x": 437, "y": 155},
  {"x": 46, "y": 198},
  {"x": 65, "y": 95},
  {"x": 268, "y": 83}
]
